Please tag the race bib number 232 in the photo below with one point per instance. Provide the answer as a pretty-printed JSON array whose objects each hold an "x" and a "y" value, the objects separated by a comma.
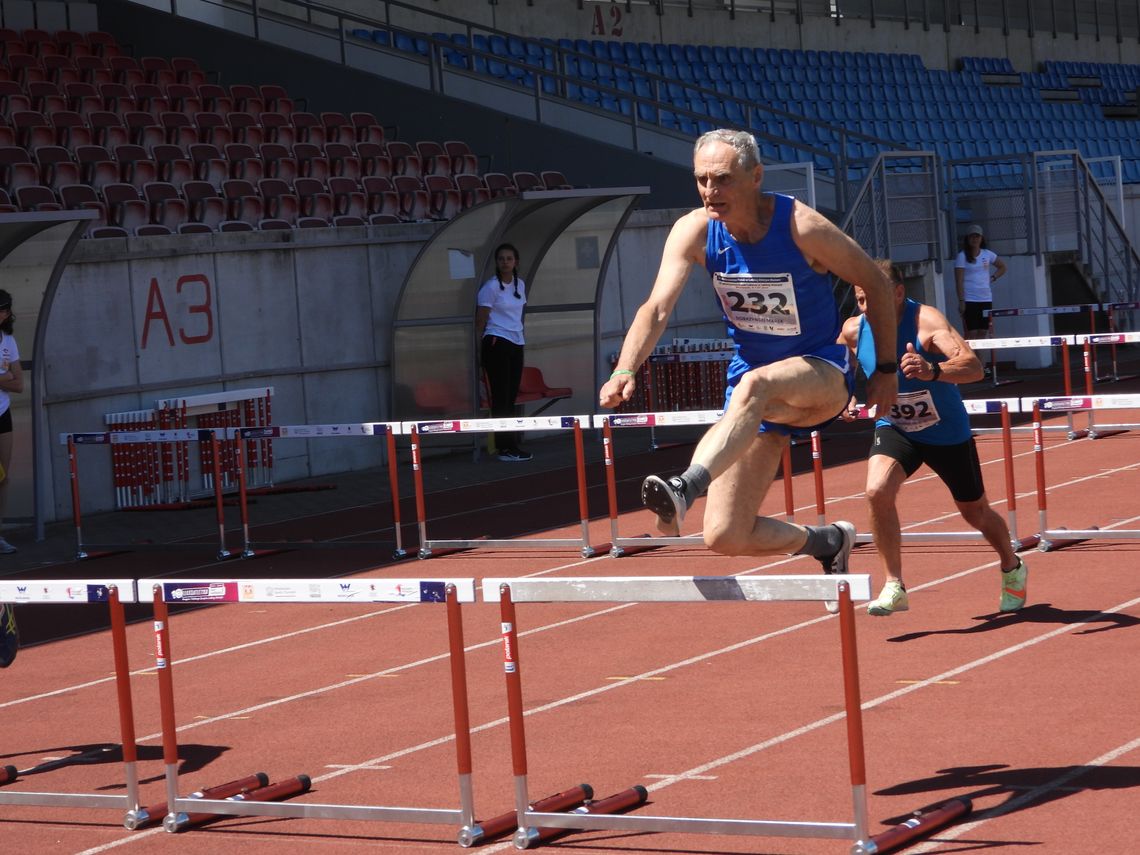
[{"x": 759, "y": 302}]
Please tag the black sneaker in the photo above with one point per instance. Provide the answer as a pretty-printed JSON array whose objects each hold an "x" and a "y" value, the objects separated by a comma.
[
  {"x": 9, "y": 635},
  {"x": 515, "y": 455},
  {"x": 667, "y": 500},
  {"x": 838, "y": 562}
]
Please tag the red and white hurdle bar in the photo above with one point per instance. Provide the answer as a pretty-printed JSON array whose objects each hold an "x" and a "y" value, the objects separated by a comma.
[
  {"x": 620, "y": 545},
  {"x": 1056, "y": 538},
  {"x": 115, "y": 439},
  {"x": 113, "y": 592},
  {"x": 247, "y": 436},
  {"x": 689, "y": 589},
  {"x": 185, "y": 812},
  {"x": 540, "y": 423},
  {"x": 1112, "y": 309}
]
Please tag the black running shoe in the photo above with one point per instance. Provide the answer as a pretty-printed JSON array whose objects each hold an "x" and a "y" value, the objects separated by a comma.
[
  {"x": 838, "y": 562},
  {"x": 667, "y": 500}
]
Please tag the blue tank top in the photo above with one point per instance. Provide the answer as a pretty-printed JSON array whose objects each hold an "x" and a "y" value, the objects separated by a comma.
[
  {"x": 774, "y": 304},
  {"x": 930, "y": 412}
]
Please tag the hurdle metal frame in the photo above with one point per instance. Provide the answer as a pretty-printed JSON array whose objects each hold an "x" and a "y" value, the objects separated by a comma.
[
  {"x": 687, "y": 589},
  {"x": 449, "y": 426},
  {"x": 1111, "y": 309},
  {"x": 1055, "y": 538},
  {"x": 113, "y": 592},
  {"x": 183, "y": 435},
  {"x": 1089, "y": 342},
  {"x": 451, "y": 591},
  {"x": 608, "y": 422},
  {"x": 388, "y": 430}
]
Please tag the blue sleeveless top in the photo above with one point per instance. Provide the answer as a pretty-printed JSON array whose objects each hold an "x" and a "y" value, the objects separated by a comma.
[
  {"x": 774, "y": 304},
  {"x": 930, "y": 412}
]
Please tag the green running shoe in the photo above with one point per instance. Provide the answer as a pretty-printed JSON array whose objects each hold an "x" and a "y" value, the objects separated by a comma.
[
  {"x": 1013, "y": 586},
  {"x": 9, "y": 635},
  {"x": 891, "y": 599}
]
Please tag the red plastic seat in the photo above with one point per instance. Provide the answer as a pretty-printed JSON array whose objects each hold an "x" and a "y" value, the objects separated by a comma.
[
  {"x": 308, "y": 128},
  {"x": 244, "y": 128},
  {"x": 209, "y": 164},
  {"x": 472, "y": 189},
  {"x": 316, "y": 199},
  {"x": 434, "y": 159},
  {"x": 444, "y": 199},
  {"x": 125, "y": 207},
  {"x": 405, "y": 159},
  {"x": 56, "y": 166},
  {"x": 414, "y": 203},
  {"x": 374, "y": 159},
  {"x": 463, "y": 160},
  {"x": 338, "y": 129},
  {"x": 500, "y": 184},
  {"x": 311, "y": 161},
  {"x": 34, "y": 197},
  {"x": 343, "y": 160},
  {"x": 349, "y": 198},
  {"x": 554, "y": 180},
  {"x": 206, "y": 203},
  {"x": 32, "y": 129},
  {"x": 368, "y": 127},
  {"x": 527, "y": 181}
]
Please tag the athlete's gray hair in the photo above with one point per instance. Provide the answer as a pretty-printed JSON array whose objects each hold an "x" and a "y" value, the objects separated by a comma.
[{"x": 747, "y": 152}]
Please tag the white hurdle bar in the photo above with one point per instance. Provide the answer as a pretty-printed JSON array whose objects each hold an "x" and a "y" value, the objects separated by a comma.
[
  {"x": 1056, "y": 538},
  {"x": 543, "y": 423},
  {"x": 686, "y": 589},
  {"x": 451, "y": 591},
  {"x": 114, "y": 592},
  {"x": 619, "y": 546},
  {"x": 993, "y": 406},
  {"x": 384, "y": 429},
  {"x": 180, "y": 435}
]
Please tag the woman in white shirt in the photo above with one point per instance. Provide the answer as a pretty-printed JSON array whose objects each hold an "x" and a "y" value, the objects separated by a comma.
[
  {"x": 499, "y": 325},
  {"x": 975, "y": 270}
]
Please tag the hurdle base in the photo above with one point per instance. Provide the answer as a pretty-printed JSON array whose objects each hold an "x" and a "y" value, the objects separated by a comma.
[
  {"x": 1048, "y": 545},
  {"x": 921, "y": 824},
  {"x": 8, "y": 774},
  {"x": 1104, "y": 434}
]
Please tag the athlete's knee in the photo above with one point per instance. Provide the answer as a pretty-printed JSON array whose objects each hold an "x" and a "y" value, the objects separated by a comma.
[
  {"x": 724, "y": 538},
  {"x": 881, "y": 494}
]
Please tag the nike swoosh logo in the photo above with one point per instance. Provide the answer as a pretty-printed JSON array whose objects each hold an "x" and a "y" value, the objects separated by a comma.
[{"x": 723, "y": 250}]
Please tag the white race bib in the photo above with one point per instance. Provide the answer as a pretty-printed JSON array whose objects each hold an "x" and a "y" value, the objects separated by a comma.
[
  {"x": 759, "y": 302},
  {"x": 914, "y": 411}
]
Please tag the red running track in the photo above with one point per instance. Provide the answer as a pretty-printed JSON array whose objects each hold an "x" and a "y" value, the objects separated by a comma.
[{"x": 720, "y": 709}]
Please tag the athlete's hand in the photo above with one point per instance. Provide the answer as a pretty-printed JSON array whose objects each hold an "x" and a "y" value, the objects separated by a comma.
[
  {"x": 617, "y": 390},
  {"x": 851, "y": 411},
  {"x": 914, "y": 366}
]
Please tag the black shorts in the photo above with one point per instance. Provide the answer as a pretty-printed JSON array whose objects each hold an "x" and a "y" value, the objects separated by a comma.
[
  {"x": 973, "y": 317},
  {"x": 957, "y": 465},
  {"x": 6, "y": 421}
]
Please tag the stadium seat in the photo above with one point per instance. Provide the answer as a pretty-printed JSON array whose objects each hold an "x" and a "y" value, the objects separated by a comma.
[
  {"x": 349, "y": 199},
  {"x": 315, "y": 198},
  {"x": 34, "y": 197}
]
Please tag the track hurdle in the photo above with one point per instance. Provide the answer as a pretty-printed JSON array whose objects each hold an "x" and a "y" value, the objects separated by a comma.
[
  {"x": 246, "y": 436},
  {"x": 1112, "y": 309},
  {"x": 994, "y": 406},
  {"x": 452, "y": 592},
  {"x": 690, "y": 589},
  {"x": 84, "y": 549},
  {"x": 619, "y": 545},
  {"x": 571, "y": 423},
  {"x": 1090, "y": 342},
  {"x": 114, "y": 593},
  {"x": 1056, "y": 538},
  {"x": 995, "y": 344}
]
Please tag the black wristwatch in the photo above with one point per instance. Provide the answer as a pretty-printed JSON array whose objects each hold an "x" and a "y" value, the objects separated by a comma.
[
  {"x": 886, "y": 367},
  {"x": 935, "y": 371}
]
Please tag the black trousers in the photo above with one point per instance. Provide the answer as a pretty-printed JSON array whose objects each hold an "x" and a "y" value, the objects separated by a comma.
[{"x": 503, "y": 362}]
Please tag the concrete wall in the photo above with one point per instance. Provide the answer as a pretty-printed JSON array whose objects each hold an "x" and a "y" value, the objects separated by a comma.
[{"x": 307, "y": 312}]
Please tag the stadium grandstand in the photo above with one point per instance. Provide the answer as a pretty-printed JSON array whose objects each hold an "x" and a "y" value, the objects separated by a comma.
[{"x": 282, "y": 145}]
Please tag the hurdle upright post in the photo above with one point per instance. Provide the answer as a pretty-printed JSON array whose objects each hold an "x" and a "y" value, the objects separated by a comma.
[
  {"x": 1018, "y": 543},
  {"x": 394, "y": 486},
  {"x": 164, "y": 664},
  {"x": 854, "y": 707},
  {"x": 817, "y": 470},
  {"x": 73, "y": 469},
  {"x": 513, "y": 676},
  {"x": 458, "y": 661},
  {"x": 123, "y": 689}
]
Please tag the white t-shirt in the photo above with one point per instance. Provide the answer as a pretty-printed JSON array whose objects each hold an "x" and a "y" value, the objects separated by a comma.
[
  {"x": 9, "y": 353},
  {"x": 506, "y": 319},
  {"x": 976, "y": 277}
]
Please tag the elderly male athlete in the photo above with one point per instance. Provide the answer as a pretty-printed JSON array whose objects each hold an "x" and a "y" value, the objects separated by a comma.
[
  {"x": 769, "y": 256},
  {"x": 929, "y": 425}
]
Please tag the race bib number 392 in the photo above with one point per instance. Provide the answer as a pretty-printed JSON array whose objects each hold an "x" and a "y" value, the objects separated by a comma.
[{"x": 759, "y": 302}]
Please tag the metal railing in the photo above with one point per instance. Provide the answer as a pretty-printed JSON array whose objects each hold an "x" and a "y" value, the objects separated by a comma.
[{"x": 1075, "y": 215}]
